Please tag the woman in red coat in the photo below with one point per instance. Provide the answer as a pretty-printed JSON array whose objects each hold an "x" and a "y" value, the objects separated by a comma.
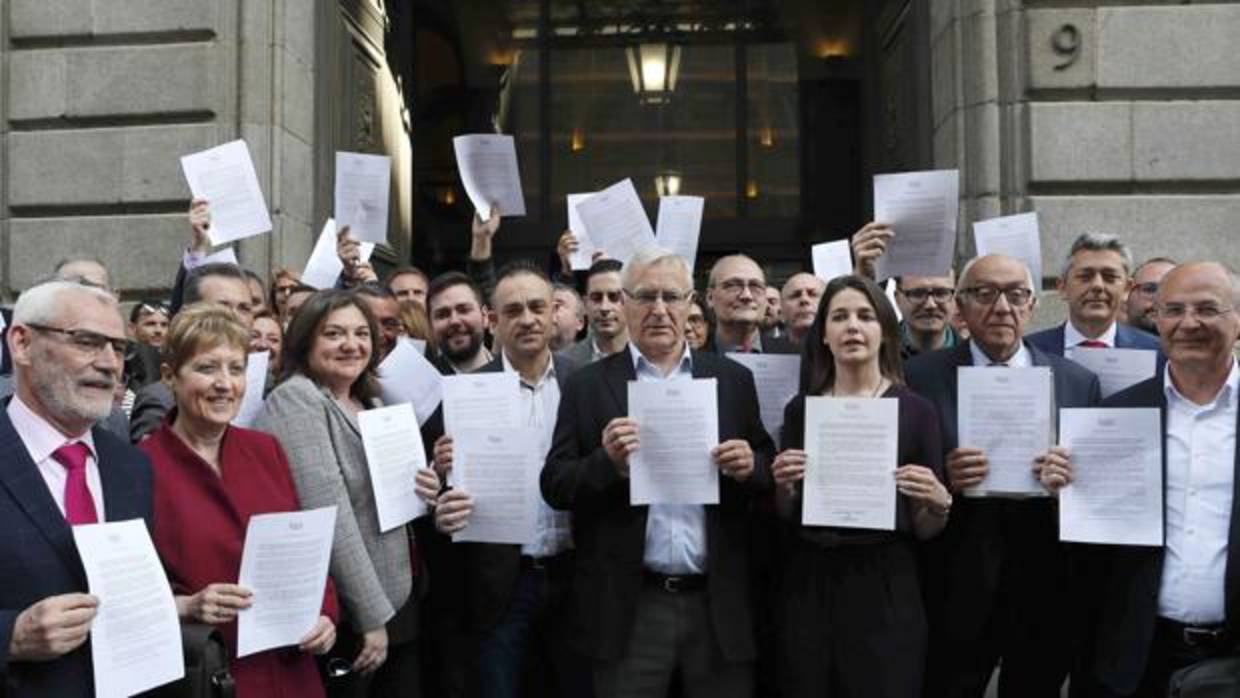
[{"x": 210, "y": 478}]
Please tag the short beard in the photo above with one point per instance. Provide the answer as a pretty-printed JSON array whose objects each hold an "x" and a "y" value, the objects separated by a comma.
[
  {"x": 468, "y": 352},
  {"x": 66, "y": 409}
]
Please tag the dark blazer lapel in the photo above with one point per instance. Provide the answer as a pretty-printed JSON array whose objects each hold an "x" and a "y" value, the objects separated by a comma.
[
  {"x": 118, "y": 497},
  {"x": 563, "y": 367},
  {"x": 618, "y": 370},
  {"x": 20, "y": 476}
]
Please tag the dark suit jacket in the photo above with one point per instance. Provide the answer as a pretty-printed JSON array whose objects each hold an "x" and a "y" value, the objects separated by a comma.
[
  {"x": 770, "y": 345},
  {"x": 981, "y": 531},
  {"x": 1125, "y": 580},
  {"x": 1051, "y": 340},
  {"x": 6, "y": 361},
  {"x": 610, "y": 533},
  {"x": 38, "y": 557}
]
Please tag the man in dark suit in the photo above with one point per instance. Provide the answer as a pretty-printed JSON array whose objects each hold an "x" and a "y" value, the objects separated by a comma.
[
  {"x": 997, "y": 577},
  {"x": 1159, "y": 609},
  {"x": 736, "y": 293},
  {"x": 513, "y": 599},
  {"x": 67, "y": 343},
  {"x": 660, "y": 589},
  {"x": 1095, "y": 283}
]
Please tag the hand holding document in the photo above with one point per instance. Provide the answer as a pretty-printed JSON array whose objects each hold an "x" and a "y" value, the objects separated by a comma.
[
  {"x": 1006, "y": 412},
  {"x": 850, "y": 471},
  {"x": 1116, "y": 368},
  {"x": 225, "y": 177},
  {"x": 1014, "y": 236},
  {"x": 583, "y": 258},
  {"x": 678, "y": 425},
  {"x": 488, "y": 166},
  {"x": 499, "y": 468},
  {"x": 394, "y": 455},
  {"x": 777, "y": 377},
  {"x": 255, "y": 383},
  {"x": 616, "y": 220},
  {"x": 363, "y": 188},
  {"x": 480, "y": 401},
  {"x": 324, "y": 268},
  {"x": 679, "y": 224},
  {"x": 1116, "y": 494},
  {"x": 921, "y": 207},
  {"x": 136, "y": 635},
  {"x": 284, "y": 563},
  {"x": 832, "y": 259},
  {"x": 405, "y": 375}
]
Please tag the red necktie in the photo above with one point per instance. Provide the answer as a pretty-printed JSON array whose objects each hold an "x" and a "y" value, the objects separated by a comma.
[
  {"x": 1093, "y": 344},
  {"x": 79, "y": 505}
]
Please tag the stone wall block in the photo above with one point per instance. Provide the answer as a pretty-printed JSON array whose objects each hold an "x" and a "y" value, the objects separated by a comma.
[
  {"x": 1081, "y": 142},
  {"x": 981, "y": 150},
  {"x": 1189, "y": 141},
  {"x": 37, "y": 84},
  {"x": 57, "y": 18},
  {"x": 943, "y": 65},
  {"x": 1184, "y": 46},
  {"x": 141, "y": 252},
  {"x": 980, "y": 74}
]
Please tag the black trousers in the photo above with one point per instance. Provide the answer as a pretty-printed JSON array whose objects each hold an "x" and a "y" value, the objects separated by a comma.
[
  {"x": 399, "y": 675},
  {"x": 851, "y": 622},
  {"x": 1168, "y": 654}
]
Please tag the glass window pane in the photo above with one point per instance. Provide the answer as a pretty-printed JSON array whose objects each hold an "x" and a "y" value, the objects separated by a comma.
[{"x": 774, "y": 146}]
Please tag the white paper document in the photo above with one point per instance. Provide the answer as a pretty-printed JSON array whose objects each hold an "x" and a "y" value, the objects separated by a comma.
[
  {"x": 921, "y": 207},
  {"x": 777, "y": 377},
  {"x": 677, "y": 425},
  {"x": 488, "y": 166},
  {"x": 135, "y": 639},
  {"x": 225, "y": 177},
  {"x": 679, "y": 225},
  {"x": 616, "y": 220},
  {"x": 499, "y": 468},
  {"x": 832, "y": 259},
  {"x": 255, "y": 383},
  {"x": 1116, "y": 495},
  {"x": 1006, "y": 412},
  {"x": 406, "y": 375},
  {"x": 363, "y": 189},
  {"x": 1014, "y": 236},
  {"x": 394, "y": 454},
  {"x": 225, "y": 255},
  {"x": 583, "y": 258},
  {"x": 851, "y": 447},
  {"x": 324, "y": 267},
  {"x": 284, "y": 563},
  {"x": 480, "y": 401},
  {"x": 1116, "y": 368}
]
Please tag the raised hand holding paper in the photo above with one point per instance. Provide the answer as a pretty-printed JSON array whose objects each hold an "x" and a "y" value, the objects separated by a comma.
[
  {"x": 488, "y": 167},
  {"x": 324, "y": 268},
  {"x": 921, "y": 207},
  {"x": 679, "y": 224},
  {"x": 1014, "y": 236},
  {"x": 584, "y": 256},
  {"x": 363, "y": 189},
  {"x": 225, "y": 177},
  {"x": 832, "y": 259},
  {"x": 616, "y": 220}
]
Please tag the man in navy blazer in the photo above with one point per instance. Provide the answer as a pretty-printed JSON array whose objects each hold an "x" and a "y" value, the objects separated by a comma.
[
  {"x": 1157, "y": 609},
  {"x": 67, "y": 344},
  {"x": 996, "y": 579},
  {"x": 1095, "y": 284}
]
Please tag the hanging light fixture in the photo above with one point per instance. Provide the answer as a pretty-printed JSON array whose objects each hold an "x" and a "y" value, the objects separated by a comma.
[
  {"x": 653, "y": 69},
  {"x": 667, "y": 183}
]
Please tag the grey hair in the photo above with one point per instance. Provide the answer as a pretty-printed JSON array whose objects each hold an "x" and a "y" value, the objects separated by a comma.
[
  {"x": 1098, "y": 242},
  {"x": 41, "y": 304},
  {"x": 650, "y": 256},
  {"x": 968, "y": 268},
  {"x": 581, "y": 306}
]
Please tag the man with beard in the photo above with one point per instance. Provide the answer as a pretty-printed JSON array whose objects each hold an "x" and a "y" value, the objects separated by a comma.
[
  {"x": 1145, "y": 281},
  {"x": 604, "y": 307},
  {"x": 457, "y": 323},
  {"x": 1095, "y": 283},
  {"x": 799, "y": 301},
  {"x": 736, "y": 292}
]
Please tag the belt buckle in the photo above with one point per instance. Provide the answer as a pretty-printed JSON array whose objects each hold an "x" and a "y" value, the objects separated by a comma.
[
  {"x": 1199, "y": 637},
  {"x": 671, "y": 584}
]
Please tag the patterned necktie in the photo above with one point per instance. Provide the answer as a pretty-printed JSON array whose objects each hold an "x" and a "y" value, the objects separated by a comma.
[
  {"x": 1093, "y": 344},
  {"x": 79, "y": 505}
]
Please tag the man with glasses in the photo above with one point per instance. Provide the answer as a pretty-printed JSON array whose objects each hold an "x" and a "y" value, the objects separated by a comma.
[
  {"x": 1155, "y": 610},
  {"x": 604, "y": 301},
  {"x": 1145, "y": 280},
  {"x": 1095, "y": 283},
  {"x": 927, "y": 304},
  {"x": 664, "y": 588},
  {"x": 736, "y": 293},
  {"x": 996, "y": 581},
  {"x": 60, "y": 470}
]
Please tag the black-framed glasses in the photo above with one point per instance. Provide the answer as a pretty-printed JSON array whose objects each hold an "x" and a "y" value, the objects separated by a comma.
[
  {"x": 648, "y": 297},
  {"x": 1205, "y": 312},
  {"x": 921, "y": 295},
  {"x": 1017, "y": 297},
  {"x": 735, "y": 286},
  {"x": 86, "y": 341}
]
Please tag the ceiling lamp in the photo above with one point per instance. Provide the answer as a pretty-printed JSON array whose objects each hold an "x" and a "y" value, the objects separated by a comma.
[
  {"x": 653, "y": 69},
  {"x": 667, "y": 183}
]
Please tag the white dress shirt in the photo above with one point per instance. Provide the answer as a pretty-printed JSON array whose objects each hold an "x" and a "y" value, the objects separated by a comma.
[
  {"x": 41, "y": 439},
  {"x": 1021, "y": 359},
  {"x": 675, "y": 533},
  {"x": 1073, "y": 339},
  {"x": 537, "y": 407},
  {"x": 1201, "y": 449}
]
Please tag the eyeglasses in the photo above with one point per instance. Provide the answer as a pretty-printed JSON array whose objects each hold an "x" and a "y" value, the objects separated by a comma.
[
  {"x": 1148, "y": 288},
  {"x": 735, "y": 286},
  {"x": 1205, "y": 312},
  {"x": 989, "y": 295},
  {"x": 648, "y": 297},
  {"x": 921, "y": 295},
  {"x": 86, "y": 341},
  {"x": 598, "y": 296}
]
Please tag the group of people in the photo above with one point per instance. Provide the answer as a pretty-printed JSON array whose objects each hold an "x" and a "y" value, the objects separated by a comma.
[{"x": 107, "y": 422}]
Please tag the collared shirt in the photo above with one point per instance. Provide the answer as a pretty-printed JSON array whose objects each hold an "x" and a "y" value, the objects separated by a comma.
[
  {"x": 1201, "y": 448},
  {"x": 1072, "y": 338},
  {"x": 537, "y": 407},
  {"x": 486, "y": 354},
  {"x": 675, "y": 533},
  {"x": 908, "y": 348},
  {"x": 595, "y": 352},
  {"x": 1021, "y": 359},
  {"x": 41, "y": 439}
]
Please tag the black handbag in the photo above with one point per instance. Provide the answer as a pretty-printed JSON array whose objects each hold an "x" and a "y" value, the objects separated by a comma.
[
  {"x": 1212, "y": 678},
  {"x": 206, "y": 666}
]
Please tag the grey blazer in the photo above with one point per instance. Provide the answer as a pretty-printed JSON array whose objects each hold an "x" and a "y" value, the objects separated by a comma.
[
  {"x": 324, "y": 446},
  {"x": 582, "y": 353}
]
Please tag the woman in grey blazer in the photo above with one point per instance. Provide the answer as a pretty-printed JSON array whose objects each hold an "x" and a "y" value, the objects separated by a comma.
[{"x": 328, "y": 378}]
